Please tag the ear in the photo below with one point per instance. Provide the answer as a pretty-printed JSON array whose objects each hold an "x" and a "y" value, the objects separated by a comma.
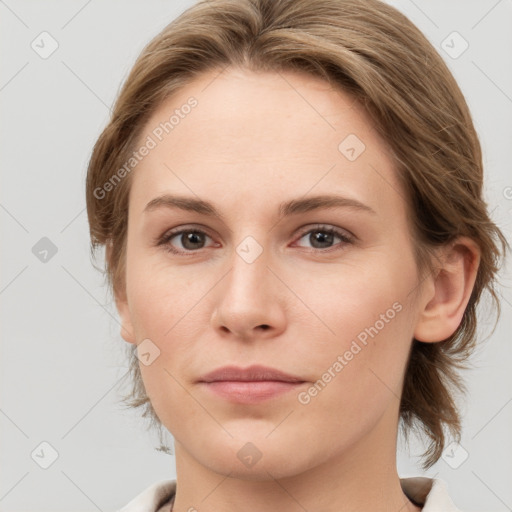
[
  {"x": 127, "y": 332},
  {"x": 449, "y": 290}
]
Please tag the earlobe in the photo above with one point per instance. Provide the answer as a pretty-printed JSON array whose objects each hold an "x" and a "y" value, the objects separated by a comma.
[
  {"x": 126, "y": 329},
  {"x": 442, "y": 311}
]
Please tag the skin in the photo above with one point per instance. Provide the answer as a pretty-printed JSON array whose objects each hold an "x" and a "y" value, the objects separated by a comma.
[{"x": 253, "y": 141}]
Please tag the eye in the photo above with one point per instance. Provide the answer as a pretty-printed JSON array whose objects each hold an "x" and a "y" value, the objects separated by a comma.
[
  {"x": 188, "y": 240},
  {"x": 322, "y": 237}
]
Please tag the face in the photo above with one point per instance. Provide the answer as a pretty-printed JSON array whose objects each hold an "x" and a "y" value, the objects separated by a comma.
[{"x": 323, "y": 292}]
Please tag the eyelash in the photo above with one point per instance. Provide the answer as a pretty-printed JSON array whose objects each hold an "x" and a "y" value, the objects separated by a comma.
[{"x": 168, "y": 236}]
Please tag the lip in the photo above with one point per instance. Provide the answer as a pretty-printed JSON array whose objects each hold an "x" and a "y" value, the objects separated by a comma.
[
  {"x": 252, "y": 373},
  {"x": 249, "y": 385}
]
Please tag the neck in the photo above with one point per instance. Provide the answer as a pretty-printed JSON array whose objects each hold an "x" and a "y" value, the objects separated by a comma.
[{"x": 357, "y": 479}]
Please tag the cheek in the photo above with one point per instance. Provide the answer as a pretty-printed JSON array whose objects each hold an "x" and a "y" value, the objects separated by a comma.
[
  {"x": 164, "y": 309},
  {"x": 360, "y": 334},
  {"x": 345, "y": 302},
  {"x": 359, "y": 376},
  {"x": 159, "y": 295}
]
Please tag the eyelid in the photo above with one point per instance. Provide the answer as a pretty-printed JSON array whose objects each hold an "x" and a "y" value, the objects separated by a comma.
[
  {"x": 159, "y": 239},
  {"x": 341, "y": 232}
]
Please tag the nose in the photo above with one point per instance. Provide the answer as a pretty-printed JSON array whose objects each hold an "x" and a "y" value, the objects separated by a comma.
[{"x": 250, "y": 300}]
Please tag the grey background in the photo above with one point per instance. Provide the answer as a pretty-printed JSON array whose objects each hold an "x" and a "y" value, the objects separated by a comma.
[{"x": 61, "y": 353}]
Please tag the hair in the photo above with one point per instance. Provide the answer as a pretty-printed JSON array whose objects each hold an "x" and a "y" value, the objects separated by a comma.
[{"x": 373, "y": 52}]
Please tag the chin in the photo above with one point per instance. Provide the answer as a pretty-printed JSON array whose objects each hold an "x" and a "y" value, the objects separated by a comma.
[{"x": 260, "y": 460}]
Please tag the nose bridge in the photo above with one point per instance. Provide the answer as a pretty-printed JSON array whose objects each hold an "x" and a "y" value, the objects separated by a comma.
[
  {"x": 249, "y": 273},
  {"x": 248, "y": 297}
]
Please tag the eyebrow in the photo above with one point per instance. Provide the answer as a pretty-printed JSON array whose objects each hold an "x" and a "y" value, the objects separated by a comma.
[{"x": 286, "y": 209}]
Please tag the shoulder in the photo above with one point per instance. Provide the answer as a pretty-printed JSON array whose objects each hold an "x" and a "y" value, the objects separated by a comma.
[
  {"x": 430, "y": 493},
  {"x": 151, "y": 498}
]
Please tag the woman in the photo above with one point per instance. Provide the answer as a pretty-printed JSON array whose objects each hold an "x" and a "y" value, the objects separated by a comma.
[{"x": 290, "y": 196}]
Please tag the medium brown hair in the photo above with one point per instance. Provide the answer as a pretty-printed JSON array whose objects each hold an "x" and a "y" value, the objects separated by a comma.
[{"x": 371, "y": 51}]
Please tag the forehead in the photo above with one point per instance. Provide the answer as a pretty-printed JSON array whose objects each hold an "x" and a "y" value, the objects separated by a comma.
[{"x": 253, "y": 132}]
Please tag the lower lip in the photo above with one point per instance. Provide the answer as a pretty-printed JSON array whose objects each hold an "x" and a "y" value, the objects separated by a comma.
[{"x": 250, "y": 392}]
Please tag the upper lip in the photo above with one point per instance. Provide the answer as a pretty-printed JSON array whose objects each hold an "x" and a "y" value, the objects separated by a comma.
[{"x": 251, "y": 373}]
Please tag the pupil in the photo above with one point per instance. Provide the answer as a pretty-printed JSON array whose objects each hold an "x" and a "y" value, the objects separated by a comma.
[
  {"x": 322, "y": 238},
  {"x": 192, "y": 238}
]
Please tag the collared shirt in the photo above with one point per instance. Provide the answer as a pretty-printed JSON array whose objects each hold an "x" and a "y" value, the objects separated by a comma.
[{"x": 429, "y": 493}]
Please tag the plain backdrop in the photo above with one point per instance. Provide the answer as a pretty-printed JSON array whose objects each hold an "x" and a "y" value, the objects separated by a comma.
[{"x": 61, "y": 353}]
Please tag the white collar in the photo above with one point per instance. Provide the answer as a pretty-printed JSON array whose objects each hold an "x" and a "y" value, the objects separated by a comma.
[{"x": 431, "y": 493}]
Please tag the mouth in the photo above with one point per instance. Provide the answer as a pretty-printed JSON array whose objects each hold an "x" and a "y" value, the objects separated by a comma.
[
  {"x": 250, "y": 392},
  {"x": 249, "y": 385}
]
